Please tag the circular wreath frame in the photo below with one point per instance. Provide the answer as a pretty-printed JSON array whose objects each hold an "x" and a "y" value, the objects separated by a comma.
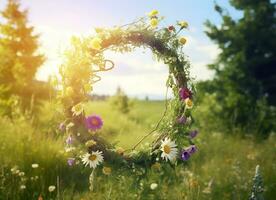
[{"x": 79, "y": 71}]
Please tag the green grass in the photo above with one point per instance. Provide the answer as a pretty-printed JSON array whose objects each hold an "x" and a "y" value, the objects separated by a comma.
[
  {"x": 127, "y": 129},
  {"x": 225, "y": 163}
]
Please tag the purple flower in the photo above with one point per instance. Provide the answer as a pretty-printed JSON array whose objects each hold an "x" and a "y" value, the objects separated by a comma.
[
  {"x": 185, "y": 93},
  {"x": 185, "y": 155},
  {"x": 62, "y": 126},
  {"x": 94, "y": 122},
  {"x": 192, "y": 149},
  {"x": 69, "y": 140},
  {"x": 193, "y": 133},
  {"x": 182, "y": 120},
  {"x": 71, "y": 161}
]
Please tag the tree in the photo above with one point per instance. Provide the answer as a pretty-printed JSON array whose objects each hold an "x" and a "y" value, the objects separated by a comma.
[
  {"x": 245, "y": 71},
  {"x": 19, "y": 59},
  {"x": 120, "y": 101}
]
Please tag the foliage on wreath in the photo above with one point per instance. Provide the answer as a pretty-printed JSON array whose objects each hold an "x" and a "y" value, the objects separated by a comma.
[{"x": 85, "y": 58}]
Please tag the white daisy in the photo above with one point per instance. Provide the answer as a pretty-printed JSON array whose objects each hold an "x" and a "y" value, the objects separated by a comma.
[
  {"x": 93, "y": 159},
  {"x": 169, "y": 150}
]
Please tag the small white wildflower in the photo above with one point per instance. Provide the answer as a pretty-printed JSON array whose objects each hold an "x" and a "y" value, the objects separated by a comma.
[
  {"x": 51, "y": 188},
  {"x": 13, "y": 170},
  {"x": 22, "y": 187},
  {"x": 153, "y": 186},
  {"x": 21, "y": 174},
  {"x": 35, "y": 165}
]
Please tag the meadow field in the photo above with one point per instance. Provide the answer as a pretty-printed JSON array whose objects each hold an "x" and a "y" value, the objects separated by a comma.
[{"x": 33, "y": 158}]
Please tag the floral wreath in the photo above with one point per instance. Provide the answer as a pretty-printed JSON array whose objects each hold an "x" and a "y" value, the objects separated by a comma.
[{"x": 85, "y": 58}]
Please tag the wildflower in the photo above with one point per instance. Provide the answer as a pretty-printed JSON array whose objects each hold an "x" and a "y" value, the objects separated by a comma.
[
  {"x": 182, "y": 120},
  {"x": 51, "y": 188},
  {"x": 189, "y": 103},
  {"x": 153, "y": 186},
  {"x": 94, "y": 122},
  {"x": 70, "y": 125},
  {"x": 22, "y": 187},
  {"x": 77, "y": 109},
  {"x": 189, "y": 120},
  {"x": 71, "y": 161},
  {"x": 192, "y": 149},
  {"x": 185, "y": 93},
  {"x": 35, "y": 165},
  {"x": 21, "y": 174},
  {"x": 69, "y": 149},
  {"x": 169, "y": 150},
  {"x": 153, "y": 13},
  {"x": 96, "y": 43},
  {"x": 61, "y": 127},
  {"x": 185, "y": 155},
  {"x": 182, "y": 40},
  {"x": 193, "y": 134},
  {"x": 88, "y": 87},
  {"x": 154, "y": 22},
  {"x": 90, "y": 143},
  {"x": 69, "y": 140},
  {"x": 183, "y": 24},
  {"x": 14, "y": 169},
  {"x": 120, "y": 150},
  {"x": 107, "y": 170},
  {"x": 69, "y": 91},
  {"x": 93, "y": 159},
  {"x": 171, "y": 28}
]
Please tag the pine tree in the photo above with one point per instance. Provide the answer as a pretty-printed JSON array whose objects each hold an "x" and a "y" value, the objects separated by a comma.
[
  {"x": 120, "y": 101},
  {"x": 19, "y": 59},
  {"x": 245, "y": 71}
]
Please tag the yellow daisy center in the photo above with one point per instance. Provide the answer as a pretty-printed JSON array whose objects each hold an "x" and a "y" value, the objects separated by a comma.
[
  {"x": 167, "y": 149},
  {"x": 189, "y": 103},
  {"x": 92, "y": 157}
]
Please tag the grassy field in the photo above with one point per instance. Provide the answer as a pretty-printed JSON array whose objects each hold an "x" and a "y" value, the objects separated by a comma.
[{"x": 222, "y": 168}]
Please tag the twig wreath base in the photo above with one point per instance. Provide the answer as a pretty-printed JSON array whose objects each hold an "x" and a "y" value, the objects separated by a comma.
[{"x": 85, "y": 58}]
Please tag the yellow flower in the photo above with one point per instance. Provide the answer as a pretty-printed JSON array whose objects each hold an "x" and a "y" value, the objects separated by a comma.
[
  {"x": 120, "y": 150},
  {"x": 153, "y": 13},
  {"x": 182, "y": 40},
  {"x": 69, "y": 91},
  {"x": 96, "y": 43},
  {"x": 98, "y": 30},
  {"x": 107, "y": 170},
  {"x": 154, "y": 22},
  {"x": 77, "y": 109},
  {"x": 189, "y": 103},
  {"x": 88, "y": 88},
  {"x": 183, "y": 24},
  {"x": 90, "y": 143}
]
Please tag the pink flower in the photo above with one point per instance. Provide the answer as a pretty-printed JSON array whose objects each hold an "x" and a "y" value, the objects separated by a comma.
[
  {"x": 185, "y": 93},
  {"x": 94, "y": 122}
]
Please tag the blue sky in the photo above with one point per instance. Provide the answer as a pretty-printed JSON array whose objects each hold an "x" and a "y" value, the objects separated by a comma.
[{"x": 137, "y": 73}]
